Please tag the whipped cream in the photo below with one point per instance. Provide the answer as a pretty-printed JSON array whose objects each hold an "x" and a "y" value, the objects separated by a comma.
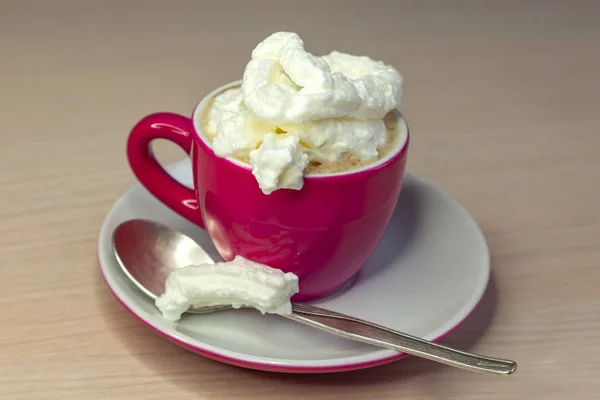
[
  {"x": 237, "y": 283},
  {"x": 293, "y": 102},
  {"x": 278, "y": 163}
]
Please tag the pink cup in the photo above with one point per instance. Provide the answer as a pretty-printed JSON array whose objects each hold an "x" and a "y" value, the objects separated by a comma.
[{"x": 323, "y": 233}]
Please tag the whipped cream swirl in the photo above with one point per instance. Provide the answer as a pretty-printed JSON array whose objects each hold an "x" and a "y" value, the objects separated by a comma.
[{"x": 294, "y": 107}]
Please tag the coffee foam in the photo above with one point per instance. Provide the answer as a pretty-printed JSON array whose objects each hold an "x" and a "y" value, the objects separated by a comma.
[{"x": 349, "y": 162}]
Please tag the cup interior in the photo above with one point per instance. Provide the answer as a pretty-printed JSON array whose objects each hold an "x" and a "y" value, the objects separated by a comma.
[{"x": 400, "y": 144}]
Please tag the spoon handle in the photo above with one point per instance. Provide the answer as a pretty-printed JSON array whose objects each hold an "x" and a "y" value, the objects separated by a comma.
[{"x": 367, "y": 332}]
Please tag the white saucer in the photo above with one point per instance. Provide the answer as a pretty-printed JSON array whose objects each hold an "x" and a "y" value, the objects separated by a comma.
[{"x": 427, "y": 275}]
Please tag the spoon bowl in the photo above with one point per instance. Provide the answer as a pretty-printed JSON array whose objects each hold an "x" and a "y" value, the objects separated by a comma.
[{"x": 148, "y": 252}]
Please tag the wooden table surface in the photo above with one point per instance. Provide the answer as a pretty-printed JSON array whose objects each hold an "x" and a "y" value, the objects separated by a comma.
[{"x": 503, "y": 99}]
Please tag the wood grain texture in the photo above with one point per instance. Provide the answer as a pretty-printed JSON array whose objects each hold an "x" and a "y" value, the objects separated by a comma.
[{"x": 502, "y": 97}]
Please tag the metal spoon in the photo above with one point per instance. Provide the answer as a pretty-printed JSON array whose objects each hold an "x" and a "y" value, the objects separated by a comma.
[{"x": 148, "y": 251}]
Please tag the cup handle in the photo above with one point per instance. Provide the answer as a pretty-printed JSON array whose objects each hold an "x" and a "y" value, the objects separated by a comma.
[{"x": 174, "y": 128}]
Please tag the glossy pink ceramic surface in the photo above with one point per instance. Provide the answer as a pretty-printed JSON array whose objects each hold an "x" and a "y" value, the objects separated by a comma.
[{"x": 323, "y": 233}]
